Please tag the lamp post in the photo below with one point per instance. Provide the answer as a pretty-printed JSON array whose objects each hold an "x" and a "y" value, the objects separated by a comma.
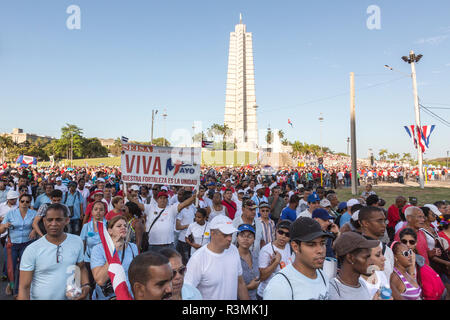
[
  {"x": 164, "y": 116},
  {"x": 154, "y": 112},
  {"x": 321, "y": 125}
]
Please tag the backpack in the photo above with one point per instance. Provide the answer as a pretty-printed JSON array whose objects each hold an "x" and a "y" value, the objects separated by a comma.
[{"x": 432, "y": 286}]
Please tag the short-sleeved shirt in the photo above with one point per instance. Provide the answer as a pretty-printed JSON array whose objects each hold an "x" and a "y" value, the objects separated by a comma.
[
  {"x": 303, "y": 288},
  {"x": 91, "y": 237},
  {"x": 98, "y": 259},
  {"x": 264, "y": 259},
  {"x": 73, "y": 200},
  {"x": 49, "y": 277},
  {"x": 189, "y": 292},
  {"x": 21, "y": 228},
  {"x": 186, "y": 217},
  {"x": 215, "y": 275},
  {"x": 288, "y": 214},
  {"x": 43, "y": 198},
  {"x": 163, "y": 230},
  {"x": 201, "y": 234},
  {"x": 339, "y": 291}
]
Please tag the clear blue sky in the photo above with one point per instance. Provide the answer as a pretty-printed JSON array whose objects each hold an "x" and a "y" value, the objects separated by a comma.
[{"x": 129, "y": 57}]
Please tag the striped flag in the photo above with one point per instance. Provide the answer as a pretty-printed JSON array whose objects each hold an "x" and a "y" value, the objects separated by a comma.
[
  {"x": 426, "y": 132},
  {"x": 411, "y": 132},
  {"x": 289, "y": 122},
  {"x": 207, "y": 144},
  {"x": 420, "y": 137},
  {"x": 124, "y": 139},
  {"x": 115, "y": 270}
]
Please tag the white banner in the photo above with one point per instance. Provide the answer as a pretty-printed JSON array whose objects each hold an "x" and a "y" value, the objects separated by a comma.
[{"x": 143, "y": 164}]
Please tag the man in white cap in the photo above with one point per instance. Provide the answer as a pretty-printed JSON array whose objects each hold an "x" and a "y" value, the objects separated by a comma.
[
  {"x": 60, "y": 186},
  {"x": 215, "y": 269},
  {"x": 348, "y": 214}
]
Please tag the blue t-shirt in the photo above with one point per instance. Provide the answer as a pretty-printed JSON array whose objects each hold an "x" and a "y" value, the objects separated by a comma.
[
  {"x": 289, "y": 214},
  {"x": 73, "y": 200},
  {"x": 98, "y": 259},
  {"x": 21, "y": 228},
  {"x": 43, "y": 198},
  {"x": 344, "y": 219},
  {"x": 91, "y": 237},
  {"x": 303, "y": 288},
  {"x": 49, "y": 277},
  {"x": 189, "y": 292}
]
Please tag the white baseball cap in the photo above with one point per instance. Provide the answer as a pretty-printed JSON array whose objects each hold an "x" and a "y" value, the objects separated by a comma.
[
  {"x": 434, "y": 209},
  {"x": 101, "y": 180},
  {"x": 164, "y": 188},
  {"x": 355, "y": 215},
  {"x": 258, "y": 187},
  {"x": 325, "y": 203},
  {"x": 352, "y": 202},
  {"x": 58, "y": 179},
  {"x": 223, "y": 223},
  {"x": 12, "y": 195},
  {"x": 134, "y": 187}
]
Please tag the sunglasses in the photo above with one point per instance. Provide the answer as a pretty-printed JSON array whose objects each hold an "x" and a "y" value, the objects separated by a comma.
[
  {"x": 181, "y": 270},
  {"x": 407, "y": 253},
  {"x": 25, "y": 201},
  {"x": 411, "y": 242},
  {"x": 282, "y": 233}
]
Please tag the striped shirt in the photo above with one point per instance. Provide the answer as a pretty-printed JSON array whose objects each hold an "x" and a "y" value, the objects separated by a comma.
[
  {"x": 411, "y": 292},
  {"x": 268, "y": 230}
]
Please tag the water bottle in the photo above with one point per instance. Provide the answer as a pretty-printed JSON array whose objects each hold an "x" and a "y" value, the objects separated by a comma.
[{"x": 385, "y": 293}]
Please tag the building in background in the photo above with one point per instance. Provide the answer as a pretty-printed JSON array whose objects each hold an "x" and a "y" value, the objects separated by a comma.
[
  {"x": 240, "y": 101},
  {"x": 18, "y": 136}
]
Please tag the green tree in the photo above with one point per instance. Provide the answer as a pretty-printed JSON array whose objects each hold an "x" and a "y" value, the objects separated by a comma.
[
  {"x": 160, "y": 142},
  {"x": 6, "y": 144},
  {"x": 92, "y": 148},
  {"x": 382, "y": 153},
  {"x": 116, "y": 148},
  {"x": 269, "y": 136},
  {"x": 221, "y": 130}
]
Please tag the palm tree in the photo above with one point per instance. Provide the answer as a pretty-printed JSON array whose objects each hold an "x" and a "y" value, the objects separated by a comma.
[
  {"x": 382, "y": 153},
  {"x": 222, "y": 130},
  {"x": 6, "y": 142}
]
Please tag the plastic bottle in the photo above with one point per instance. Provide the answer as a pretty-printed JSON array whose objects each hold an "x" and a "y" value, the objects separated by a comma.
[{"x": 385, "y": 293}]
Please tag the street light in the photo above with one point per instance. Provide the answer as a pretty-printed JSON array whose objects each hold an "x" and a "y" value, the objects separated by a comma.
[
  {"x": 154, "y": 112},
  {"x": 321, "y": 122},
  {"x": 164, "y": 116}
]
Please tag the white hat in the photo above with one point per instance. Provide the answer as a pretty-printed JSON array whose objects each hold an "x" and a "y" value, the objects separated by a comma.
[
  {"x": 101, "y": 180},
  {"x": 355, "y": 215},
  {"x": 228, "y": 180},
  {"x": 300, "y": 186},
  {"x": 134, "y": 187},
  {"x": 223, "y": 223},
  {"x": 352, "y": 202},
  {"x": 241, "y": 191},
  {"x": 258, "y": 187},
  {"x": 58, "y": 179},
  {"x": 325, "y": 203},
  {"x": 12, "y": 195},
  {"x": 434, "y": 209},
  {"x": 164, "y": 188}
]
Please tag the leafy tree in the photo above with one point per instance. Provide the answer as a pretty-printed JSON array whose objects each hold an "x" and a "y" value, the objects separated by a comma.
[
  {"x": 6, "y": 144},
  {"x": 382, "y": 153},
  {"x": 116, "y": 148},
  {"x": 92, "y": 148},
  {"x": 160, "y": 142},
  {"x": 222, "y": 130}
]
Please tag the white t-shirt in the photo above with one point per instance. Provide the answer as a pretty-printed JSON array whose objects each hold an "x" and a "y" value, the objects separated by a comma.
[
  {"x": 62, "y": 187},
  {"x": 162, "y": 230},
  {"x": 305, "y": 213},
  {"x": 264, "y": 261},
  {"x": 201, "y": 234},
  {"x": 382, "y": 281},
  {"x": 186, "y": 217},
  {"x": 4, "y": 208},
  {"x": 215, "y": 275}
]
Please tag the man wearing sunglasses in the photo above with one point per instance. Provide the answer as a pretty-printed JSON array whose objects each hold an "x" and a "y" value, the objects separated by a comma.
[
  {"x": 248, "y": 216},
  {"x": 45, "y": 263}
]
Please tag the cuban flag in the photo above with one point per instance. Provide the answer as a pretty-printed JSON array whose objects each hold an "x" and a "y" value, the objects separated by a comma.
[
  {"x": 289, "y": 122},
  {"x": 25, "y": 161},
  {"x": 207, "y": 144},
  {"x": 124, "y": 139},
  {"x": 115, "y": 271},
  {"x": 426, "y": 132},
  {"x": 411, "y": 132}
]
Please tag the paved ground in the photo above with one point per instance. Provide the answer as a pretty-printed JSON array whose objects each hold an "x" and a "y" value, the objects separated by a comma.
[{"x": 3, "y": 296}]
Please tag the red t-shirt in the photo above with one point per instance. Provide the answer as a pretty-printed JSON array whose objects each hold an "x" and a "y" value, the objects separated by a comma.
[
  {"x": 231, "y": 207},
  {"x": 393, "y": 216},
  {"x": 421, "y": 246},
  {"x": 112, "y": 214},
  {"x": 443, "y": 235}
]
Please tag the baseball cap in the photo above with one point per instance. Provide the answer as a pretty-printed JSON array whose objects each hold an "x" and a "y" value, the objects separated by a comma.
[
  {"x": 258, "y": 187},
  {"x": 434, "y": 209},
  {"x": 223, "y": 224},
  {"x": 350, "y": 241},
  {"x": 352, "y": 202},
  {"x": 306, "y": 229},
  {"x": 322, "y": 214},
  {"x": 134, "y": 187},
  {"x": 342, "y": 205},
  {"x": 241, "y": 191},
  {"x": 264, "y": 205},
  {"x": 12, "y": 195},
  {"x": 58, "y": 179},
  {"x": 325, "y": 203},
  {"x": 162, "y": 194},
  {"x": 246, "y": 227},
  {"x": 100, "y": 180},
  {"x": 228, "y": 180},
  {"x": 355, "y": 215},
  {"x": 313, "y": 197},
  {"x": 250, "y": 204},
  {"x": 210, "y": 184},
  {"x": 164, "y": 188}
]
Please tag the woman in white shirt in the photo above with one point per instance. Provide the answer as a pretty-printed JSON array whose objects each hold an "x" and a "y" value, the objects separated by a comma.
[
  {"x": 378, "y": 278},
  {"x": 198, "y": 232}
]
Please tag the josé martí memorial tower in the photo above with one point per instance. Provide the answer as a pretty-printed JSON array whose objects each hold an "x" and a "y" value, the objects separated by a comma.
[{"x": 240, "y": 102}]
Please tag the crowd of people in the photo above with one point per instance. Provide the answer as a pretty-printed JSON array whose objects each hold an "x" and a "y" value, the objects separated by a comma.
[{"x": 240, "y": 235}]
